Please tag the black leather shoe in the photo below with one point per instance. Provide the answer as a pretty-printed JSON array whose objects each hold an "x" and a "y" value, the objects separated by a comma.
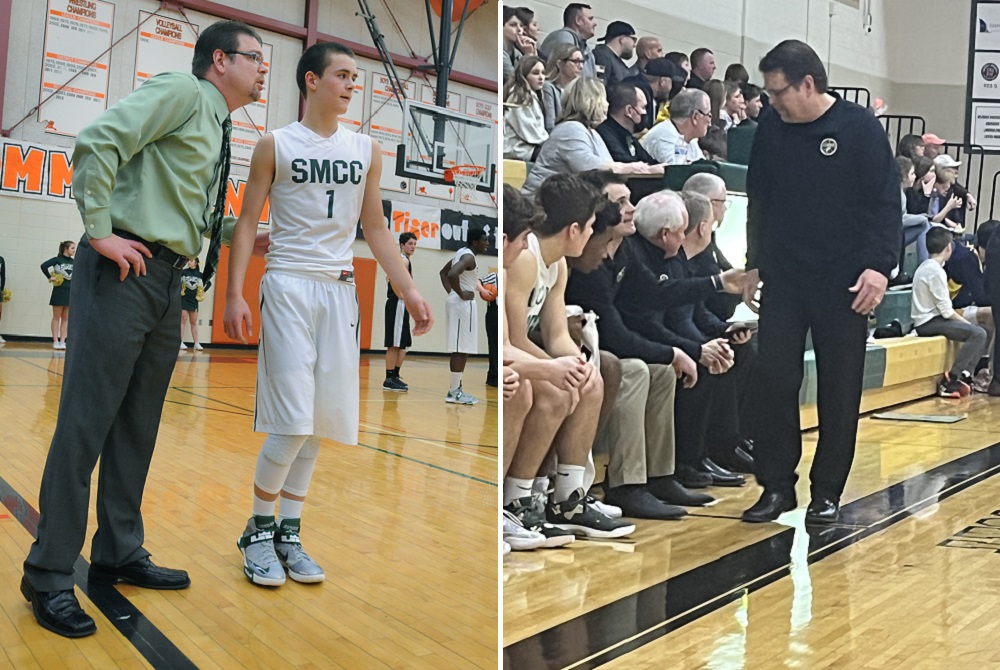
[
  {"x": 58, "y": 611},
  {"x": 638, "y": 503},
  {"x": 737, "y": 460},
  {"x": 994, "y": 389},
  {"x": 822, "y": 511},
  {"x": 140, "y": 573},
  {"x": 721, "y": 476},
  {"x": 672, "y": 492},
  {"x": 771, "y": 505},
  {"x": 691, "y": 478}
]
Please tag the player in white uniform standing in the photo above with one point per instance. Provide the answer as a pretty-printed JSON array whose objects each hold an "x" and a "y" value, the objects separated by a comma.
[
  {"x": 320, "y": 177},
  {"x": 461, "y": 282}
]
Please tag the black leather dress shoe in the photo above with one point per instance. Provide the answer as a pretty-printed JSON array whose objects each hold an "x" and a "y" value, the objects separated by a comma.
[
  {"x": 672, "y": 492},
  {"x": 721, "y": 476},
  {"x": 638, "y": 503},
  {"x": 771, "y": 505},
  {"x": 140, "y": 573},
  {"x": 691, "y": 478},
  {"x": 737, "y": 460},
  {"x": 994, "y": 389},
  {"x": 822, "y": 511},
  {"x": 58, "y": 611}
]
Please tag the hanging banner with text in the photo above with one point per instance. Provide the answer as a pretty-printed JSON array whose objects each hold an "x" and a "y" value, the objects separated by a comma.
[
  {"x": 76, "y": 32},
  {"x": 43, "y": 172}
]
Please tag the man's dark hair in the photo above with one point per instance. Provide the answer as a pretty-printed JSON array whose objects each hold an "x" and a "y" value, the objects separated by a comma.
[
  {"x": 677, "y": 58},
  {"x": 697, "y": 55},
  {"x": 566, "y": 199},
  {"x": 406, "y": 237},
  {"x": 985, "y": 231},
  {"x": 907, "y": 143},
  {"x": 608, "y": 215},
  {"x": 737, "y": 73},
  {"x": 509, "y": 12},
  {"x": 221, "y": 35},
  {"x": 904, "y": 165},
  {"x": 938, "y": 239},
  {"x": 796, "y": 60},
  {"x": 572, "y": 9},
  {"x": 525, "y": 15},
  {"x": 620, "y": 96},
  {"x": 715, "y": 142},
  {"x": 601, "y": 179},
  {"x": 519, "y": 212},
  {"x": 750, "y": 91},
  {"x": 316, "y": 58},
  {"x": 476, "y": 234}
]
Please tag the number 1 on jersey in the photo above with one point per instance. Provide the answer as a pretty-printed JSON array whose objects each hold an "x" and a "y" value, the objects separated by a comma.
[{"x": 329, "y": 207}]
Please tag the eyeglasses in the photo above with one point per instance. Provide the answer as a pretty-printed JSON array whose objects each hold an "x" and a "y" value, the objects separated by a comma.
[
  {"x": 255, "y": 56},
  {"x": 777, "y": 94},
  {"x": 708, "y": 114},
  {"x": 721, "y": 201}
]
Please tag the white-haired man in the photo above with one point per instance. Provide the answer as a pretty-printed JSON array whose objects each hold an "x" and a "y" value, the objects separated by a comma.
[{"x": 675, "y": 142}]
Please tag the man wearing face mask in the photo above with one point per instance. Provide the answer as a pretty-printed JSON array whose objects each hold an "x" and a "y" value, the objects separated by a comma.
[
  {"x": 658, "y": 81},
  {"x": 626, "y": 112}
]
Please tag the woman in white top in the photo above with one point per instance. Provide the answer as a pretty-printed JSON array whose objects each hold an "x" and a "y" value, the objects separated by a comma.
[
  {"x": 524, "y": 125},
  {"x": 564, "y": 65},
  {"x": 574, "y": 145}
]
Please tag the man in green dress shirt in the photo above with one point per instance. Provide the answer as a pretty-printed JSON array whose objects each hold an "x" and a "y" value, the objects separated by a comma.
[{"x": 148, "y": 175}]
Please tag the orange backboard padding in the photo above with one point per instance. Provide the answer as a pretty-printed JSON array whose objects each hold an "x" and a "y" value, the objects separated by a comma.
[
  {"x": 457, "y": 7},
  {"x": 365, "y": 276}
]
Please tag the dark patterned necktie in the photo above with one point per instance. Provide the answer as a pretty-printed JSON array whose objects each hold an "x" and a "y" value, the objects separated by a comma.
[{"x": 215, "y": 245}]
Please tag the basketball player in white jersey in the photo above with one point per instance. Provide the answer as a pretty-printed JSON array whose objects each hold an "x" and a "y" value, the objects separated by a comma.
[
  {"x": 461, "y": 282},
  {"x": 535, "y": 301},
  {"x": 321, "y": 178}
]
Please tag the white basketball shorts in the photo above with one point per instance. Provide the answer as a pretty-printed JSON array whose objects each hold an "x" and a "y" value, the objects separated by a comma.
[
  {"x": 463, "y": 325},
  {"x": 307, "y": 367}
]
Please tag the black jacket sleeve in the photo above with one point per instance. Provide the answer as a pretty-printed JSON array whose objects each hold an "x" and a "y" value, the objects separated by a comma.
[
  {"x": 756, "y": 192},
  {"x": 3, "y": 274},
  {"x": 880, "y": 178}
]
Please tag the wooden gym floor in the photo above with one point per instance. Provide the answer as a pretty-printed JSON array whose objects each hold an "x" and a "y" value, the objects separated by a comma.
[
  {"x": 405, "y": 526},
  {"x": 908, "y": 579}
]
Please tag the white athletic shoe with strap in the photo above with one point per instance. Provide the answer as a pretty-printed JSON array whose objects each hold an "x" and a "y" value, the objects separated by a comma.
[
  {"x": 260, "y": 563},
  {"x": 460, "y": 397},
  {"x": 287, "y": 545}
]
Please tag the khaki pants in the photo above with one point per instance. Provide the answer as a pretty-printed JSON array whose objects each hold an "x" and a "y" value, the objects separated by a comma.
[{"x": 639, "y": 435}]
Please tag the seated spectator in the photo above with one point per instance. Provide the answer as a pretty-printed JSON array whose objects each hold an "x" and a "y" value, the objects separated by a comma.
[
  {"x": 523, "y": 122},
  {"x": 734, "y": 110},
  {"x": 716, "y": 91},
  {"x": 574, "y": 145},
  {"x": 711, "y": 261},
  {"x": 933, "y": 145},
  {"x": 737, "y": 74},
  {"x": 915, "y": 226},
  {"x": 515, "y": 43},
  {"x": 933, "y": 315},
  {"x": 702, "y": 67},
  {"x": 579, "y": 26},
  {"x": 714, "y": 145},
  {"x": 949, "y": 199},
  {"x": 626, "y": 111},
  {"x": 529, "y": 24},
  {"x": 681, "y": 60},
  {"x": 535, "y": 300},
  {"x": 910, "y": 146},
  {"x": 918, "y": 196},
  {"x": 753, "y": 101},
  {"x": 675, "y": 142},
  {"x": 619, "y": 46},
  {"x": 564, "y": 65},
  {"x": 646, "y": 49},
  {"x": 966, "y": 285},
  {"x": 659, "y": 82}
]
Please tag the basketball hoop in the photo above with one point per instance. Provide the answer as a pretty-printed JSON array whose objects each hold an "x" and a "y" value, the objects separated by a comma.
[{"x": 465, "y": 178}]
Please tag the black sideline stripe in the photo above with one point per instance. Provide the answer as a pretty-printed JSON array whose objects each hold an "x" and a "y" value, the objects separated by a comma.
[
  {"x": 643, "y": 617},
  {"x": 154, "y": 646}
]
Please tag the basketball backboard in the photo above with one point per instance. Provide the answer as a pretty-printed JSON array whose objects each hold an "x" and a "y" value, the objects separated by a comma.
[{"x": 439, "y": 142}]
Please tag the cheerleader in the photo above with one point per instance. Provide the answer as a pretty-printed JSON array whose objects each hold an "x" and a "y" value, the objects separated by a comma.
[
  {"x": 59, "y": 272},
  {"x": 192, "y": 292}
]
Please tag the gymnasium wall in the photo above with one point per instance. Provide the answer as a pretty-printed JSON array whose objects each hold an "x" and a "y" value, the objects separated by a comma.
[{"x": 31, "y": 229}]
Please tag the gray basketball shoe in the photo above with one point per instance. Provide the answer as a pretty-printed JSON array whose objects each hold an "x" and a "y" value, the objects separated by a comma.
[
  {"x": 300, "y": 566},
  {"x": 260, "y": 563}
]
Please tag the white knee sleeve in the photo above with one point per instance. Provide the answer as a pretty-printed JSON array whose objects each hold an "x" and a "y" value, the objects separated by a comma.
[
  {"x": 301, "y": 471},
  {"x": 275, "y": 459}
]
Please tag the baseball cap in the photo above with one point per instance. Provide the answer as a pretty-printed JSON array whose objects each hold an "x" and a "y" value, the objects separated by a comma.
[
  {"x": 931, "y": 138},
  {"x": 617, "y": 29},
  {"x": 944, "y": 160}
]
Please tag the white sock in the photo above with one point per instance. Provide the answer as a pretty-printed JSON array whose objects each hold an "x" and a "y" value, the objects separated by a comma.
[
  {"x": 290, "y": 509},
  {"x": 456, "y": 381},
  {"x": 514, "y": 488},
  {"x": 569, "y": 478}
]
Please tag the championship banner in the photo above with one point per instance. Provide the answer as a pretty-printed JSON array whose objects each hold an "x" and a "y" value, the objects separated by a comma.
[{"x": 42, "y": 172}]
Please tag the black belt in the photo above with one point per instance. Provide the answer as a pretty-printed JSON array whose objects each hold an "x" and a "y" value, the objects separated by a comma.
[{"x": 160, "y": 252}]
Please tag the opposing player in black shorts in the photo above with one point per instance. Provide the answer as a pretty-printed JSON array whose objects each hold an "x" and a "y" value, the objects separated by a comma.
[{"x": 397, "y": 323}]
